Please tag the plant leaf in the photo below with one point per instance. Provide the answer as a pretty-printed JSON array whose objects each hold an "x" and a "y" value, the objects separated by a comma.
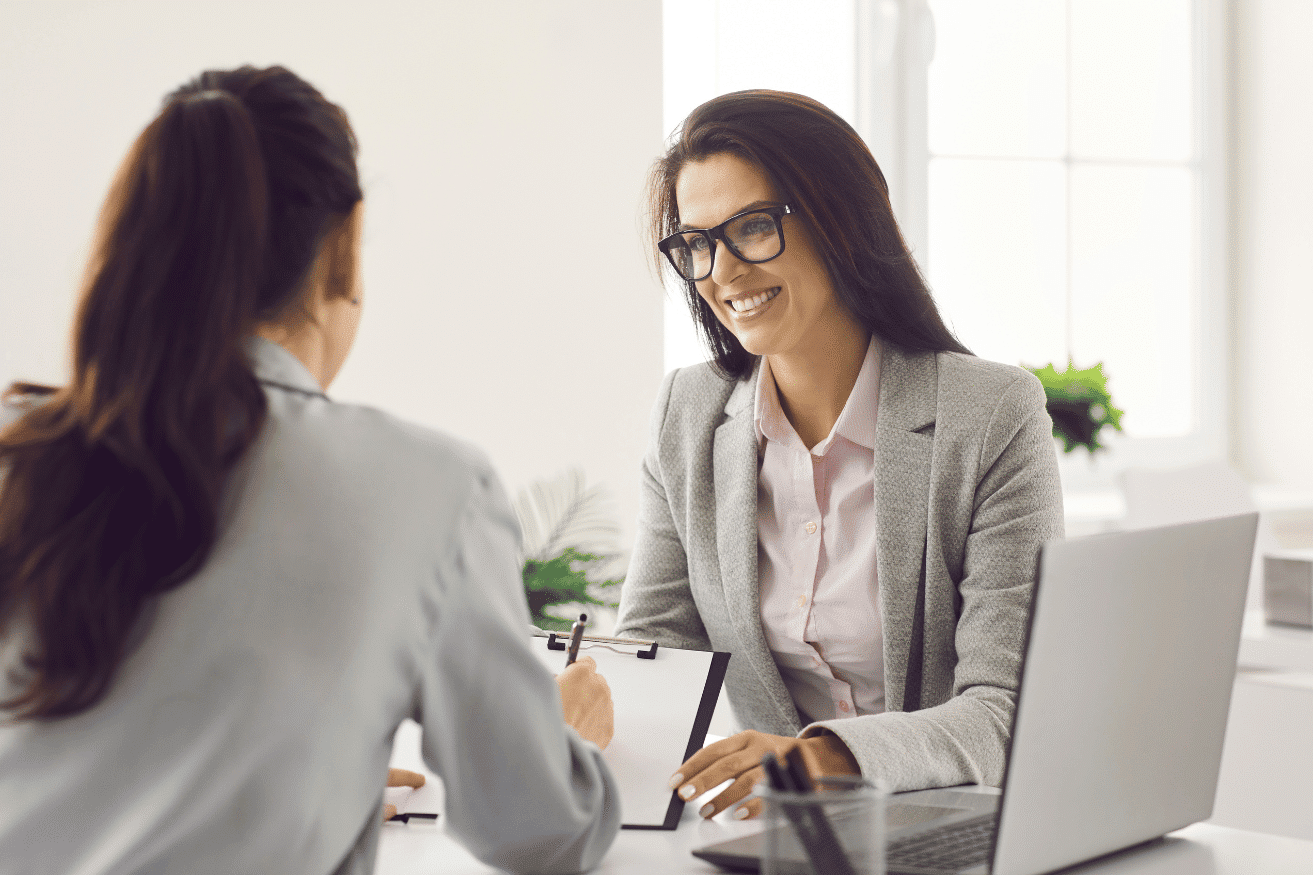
[
  {"x": 558, "y": 581},
  {"x": 563, "y": 513},
  {"x": 1079, "y": 404}
]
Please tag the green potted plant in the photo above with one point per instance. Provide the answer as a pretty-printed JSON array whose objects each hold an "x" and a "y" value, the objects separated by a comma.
[
  {"x": 571, "y": 549},
  {"x": 1079, "y": 404}
]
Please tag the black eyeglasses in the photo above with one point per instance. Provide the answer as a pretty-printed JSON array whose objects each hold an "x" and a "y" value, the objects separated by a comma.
[{"x": 753, "y": 236}]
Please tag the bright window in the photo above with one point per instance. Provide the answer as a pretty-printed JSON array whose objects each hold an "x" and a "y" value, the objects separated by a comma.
[
  {"x": 1055, "y": 164},
  {"x": 1063, "y": 181}
]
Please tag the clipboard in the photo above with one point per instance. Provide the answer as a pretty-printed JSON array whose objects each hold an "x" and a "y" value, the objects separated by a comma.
[{"x": 664, "y": 698}]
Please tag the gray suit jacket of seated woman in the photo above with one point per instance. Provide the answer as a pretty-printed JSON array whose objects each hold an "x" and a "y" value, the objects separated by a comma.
[
  {"x": 966, "y": 491},
  {"x": 366, "y": 571}
]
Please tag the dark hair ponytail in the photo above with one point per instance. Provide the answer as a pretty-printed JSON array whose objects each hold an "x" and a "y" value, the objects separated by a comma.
[{"x": 111, "y": 488}]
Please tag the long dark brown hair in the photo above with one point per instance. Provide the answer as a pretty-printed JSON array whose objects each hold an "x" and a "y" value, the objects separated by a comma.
[
  {"x": 111, "y": 485},
  {"x": 824, "y": 170}
]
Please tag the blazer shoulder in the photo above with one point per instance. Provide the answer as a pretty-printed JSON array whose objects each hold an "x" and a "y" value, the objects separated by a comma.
[
  {"x": 693, "y": 395},
  {"x": 971, "y": 383},
  {"x": 378, "y": 444},
  {"x": 698, "y": 381}
]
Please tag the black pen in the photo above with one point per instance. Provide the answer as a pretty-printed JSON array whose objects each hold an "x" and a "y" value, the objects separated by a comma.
[
  {"x": 836, "y": 859},
  {"x": 802, "y": 779},
  {"x": 812, "y": 826},
  {"x": 576, "y": 635},
  {"x": 782, "y": 782}
]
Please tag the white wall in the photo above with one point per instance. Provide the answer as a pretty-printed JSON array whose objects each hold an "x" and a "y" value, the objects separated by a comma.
[
  {"x": 503, "y": 149},
  {"x": 1273, "y": 238}
]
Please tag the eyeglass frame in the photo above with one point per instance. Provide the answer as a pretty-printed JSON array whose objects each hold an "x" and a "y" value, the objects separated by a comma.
[{"x": 777, "y": 213}]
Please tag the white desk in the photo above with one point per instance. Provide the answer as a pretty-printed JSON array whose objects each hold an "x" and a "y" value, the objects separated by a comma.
[
  {"x": 1278, "y": 648},
  {"x": 1202, "y": 849}
]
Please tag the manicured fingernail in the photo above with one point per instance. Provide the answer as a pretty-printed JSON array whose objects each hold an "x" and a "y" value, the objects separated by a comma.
[
  {"x": 676, "y": 780},
  {"x": 740, "y": 813},
  {"x": 706, "y": 810},
  {"x": 687, "y": 792}
]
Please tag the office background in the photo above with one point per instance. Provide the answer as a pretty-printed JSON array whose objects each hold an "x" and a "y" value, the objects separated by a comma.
[
  {"x": 504, "y": 146},
  {"x": 503, "y": 149},
  {"x": 492, "y": 132}
]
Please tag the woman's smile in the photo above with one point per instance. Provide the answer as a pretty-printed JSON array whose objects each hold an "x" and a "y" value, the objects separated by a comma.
[{"x": 752, "y": 305}]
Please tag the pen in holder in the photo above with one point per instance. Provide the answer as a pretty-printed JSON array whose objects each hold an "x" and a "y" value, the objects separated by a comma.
[{"x": 835, "y": 829}]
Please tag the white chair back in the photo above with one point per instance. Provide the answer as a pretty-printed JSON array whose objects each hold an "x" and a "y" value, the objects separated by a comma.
[{"x": 1162, "y": 497}]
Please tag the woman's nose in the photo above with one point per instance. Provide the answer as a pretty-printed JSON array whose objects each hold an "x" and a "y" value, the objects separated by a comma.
[{"x": 726, "y": 266}]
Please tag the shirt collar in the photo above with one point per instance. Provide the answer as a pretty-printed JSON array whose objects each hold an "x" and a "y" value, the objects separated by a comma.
[
  {"x": 772, "y": 424},
  {"x": 275, "y": 366},
  {"x": 856, "y": 421}
]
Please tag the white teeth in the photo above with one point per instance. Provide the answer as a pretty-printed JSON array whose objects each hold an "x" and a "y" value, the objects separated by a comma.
[{"x": 745, "y": 304}]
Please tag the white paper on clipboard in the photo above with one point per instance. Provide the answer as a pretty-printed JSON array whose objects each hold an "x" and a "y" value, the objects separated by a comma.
[{"x": 663, "y": 707}]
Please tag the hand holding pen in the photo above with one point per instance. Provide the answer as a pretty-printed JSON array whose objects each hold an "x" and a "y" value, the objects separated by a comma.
[{"x": 585, "y": 694}]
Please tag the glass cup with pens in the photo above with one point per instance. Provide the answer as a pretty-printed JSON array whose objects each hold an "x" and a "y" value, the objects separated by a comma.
[{"x": 830, "y": 826}]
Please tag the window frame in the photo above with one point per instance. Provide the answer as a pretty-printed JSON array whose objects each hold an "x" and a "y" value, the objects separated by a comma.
[{"x": 894, "y": 47}]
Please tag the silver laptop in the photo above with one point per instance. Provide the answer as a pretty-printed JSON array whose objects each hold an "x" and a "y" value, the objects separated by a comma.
[{"x": 1125, "y": 689}]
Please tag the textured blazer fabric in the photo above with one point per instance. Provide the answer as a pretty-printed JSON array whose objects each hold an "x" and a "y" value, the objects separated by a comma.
[
  {"x": 966, "y": 491},
  {"x": 366, "y": 571}
]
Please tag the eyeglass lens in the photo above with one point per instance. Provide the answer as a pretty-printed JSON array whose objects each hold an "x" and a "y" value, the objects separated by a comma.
[{"x": 752, "y": 237}]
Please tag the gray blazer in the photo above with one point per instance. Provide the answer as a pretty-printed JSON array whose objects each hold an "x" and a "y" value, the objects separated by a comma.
[
  {"x": 966, "y": 491},
  {"x": 366, "y": 571}
]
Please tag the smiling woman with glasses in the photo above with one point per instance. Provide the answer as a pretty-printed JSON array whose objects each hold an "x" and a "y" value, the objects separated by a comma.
[{"x": 844, "y": 497}]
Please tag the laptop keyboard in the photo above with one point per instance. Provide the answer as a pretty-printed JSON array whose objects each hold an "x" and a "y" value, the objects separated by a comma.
[{"x": 953, "y": 846}]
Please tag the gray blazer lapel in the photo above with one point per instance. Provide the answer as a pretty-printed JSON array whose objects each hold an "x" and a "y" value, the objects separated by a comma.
[
  {"x": 734, "y": 461},
  {"x": 734, "y": 466},
  {"x": 904, "y": 445}
]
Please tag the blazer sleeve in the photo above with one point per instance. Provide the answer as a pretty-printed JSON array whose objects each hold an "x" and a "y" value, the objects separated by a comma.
[
  {"x": 524, "y": 792},
  {"x": 1016, "y": 506},
  {"x": 656, "y": 602}
]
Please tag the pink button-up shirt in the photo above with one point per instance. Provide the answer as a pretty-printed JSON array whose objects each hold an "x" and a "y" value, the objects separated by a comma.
[{"x": 816, "y": 552}]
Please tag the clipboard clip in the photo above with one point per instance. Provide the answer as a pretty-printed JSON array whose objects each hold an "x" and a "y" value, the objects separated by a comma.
[
  {"x": 648, "y": 651},
  {"x": 406, "y": 817}
]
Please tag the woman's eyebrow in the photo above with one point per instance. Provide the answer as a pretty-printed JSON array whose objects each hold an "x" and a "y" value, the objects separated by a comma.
[{"x": 755, "y": 205}]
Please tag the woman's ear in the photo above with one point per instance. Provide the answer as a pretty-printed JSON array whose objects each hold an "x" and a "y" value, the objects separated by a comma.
[
  {"x": 340, "y": 258},
  {"x": 338, "y": 295},
  {"x": 320, "y": 328}
]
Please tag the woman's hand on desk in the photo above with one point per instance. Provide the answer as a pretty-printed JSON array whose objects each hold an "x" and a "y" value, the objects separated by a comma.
[
  {"x": 738, "y": 758},
  {"x": 586, "y": 701},
  {"x": 400, "y": 778}
]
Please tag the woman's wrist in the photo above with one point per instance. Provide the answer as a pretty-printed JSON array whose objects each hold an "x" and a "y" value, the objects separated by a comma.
[{"x": 830, "y": 754}]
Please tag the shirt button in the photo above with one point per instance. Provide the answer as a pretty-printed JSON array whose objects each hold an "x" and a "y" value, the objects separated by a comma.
[
  {"x": 802, "y": 600},
  {"x": 843, "y": 706},
  {"x": 811, "y": 528}
]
